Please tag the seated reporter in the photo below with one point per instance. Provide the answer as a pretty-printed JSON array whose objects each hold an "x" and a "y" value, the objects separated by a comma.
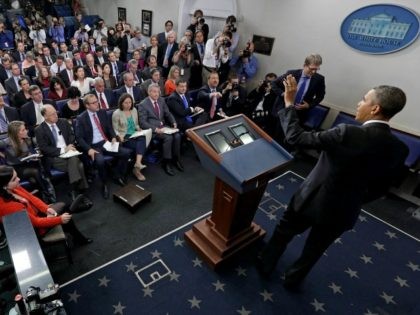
[
  {"x": 74, "y": 105},
  {"x": 93, "y": 130},
  {"x": 155, "y": 114},
  {"x": 14, "y": 198},
  {"x": 18, "y": 146},
  {"x": 55, "y": 137},
  {"x": 125, "y": 121}
]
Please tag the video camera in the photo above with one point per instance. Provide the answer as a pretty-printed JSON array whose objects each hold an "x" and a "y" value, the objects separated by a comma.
[
  {"x": 235, "y": 87},
  {"x": 231, "y": 27},
  {"x": 188, "y": 47},
  {"x": 227, "y": 43},
  {"x": 201, "y": 20},
  {"x": 41, "y": 302},
  {"x": 246, "y": 53}
]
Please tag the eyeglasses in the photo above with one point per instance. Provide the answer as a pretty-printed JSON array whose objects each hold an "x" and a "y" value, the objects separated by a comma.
[
  {"x": 91, "y": 103},
  {"x": 314, "y": 69}
]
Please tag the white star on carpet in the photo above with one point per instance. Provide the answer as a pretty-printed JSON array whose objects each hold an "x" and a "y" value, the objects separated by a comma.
[
  {"x": 366, "y": 259},
  {"x": 103, "y": 282},
  {"x": 353, "y": 230},
  {"x": 73, "y": 296},
  {"x": 156, "y": 254},
  {"x": 197, "y": 262},
  {"x": 219, "y": 286},
  {"x": 292, "y": 180},
  {"x": 147, "y": 291},
  {"x": 241, "y": 271},
  {"x": 388, "y": 298},
  {"x": 131, "y": 267},
  {"x": 391, "y": 234},
  {"x": 338, "y": 241},
  {"x": 318, "y": 305},
  {"x": 379, "y": 246},
  {"x": 272, "y": 217},
  {"x": 412, "y": 266},
  {"x": 243, "y": 311},
  {"x": 195, "y": 302},
  {"x": 178, "y": 242},
  {"x": 362, "y": 218},
  {"x": 351, "y": 273},
  {"x": 401, "y": 282},
  {"x": 368, "y": 312},
  {"x": 267, "y": 296},
  {"x": 173, "y": 276},
  {"x": 335, "y": 288},
  {"x": 118, "y": 309},
  {"x": 280, "y": 187},
  {"x": 267, "y": 194}
]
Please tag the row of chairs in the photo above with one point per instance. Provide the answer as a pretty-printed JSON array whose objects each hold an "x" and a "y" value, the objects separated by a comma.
[{"x": 318, "y": 113}]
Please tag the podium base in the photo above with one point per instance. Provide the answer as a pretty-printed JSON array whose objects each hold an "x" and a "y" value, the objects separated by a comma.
[{"x": 216, "y": 249}]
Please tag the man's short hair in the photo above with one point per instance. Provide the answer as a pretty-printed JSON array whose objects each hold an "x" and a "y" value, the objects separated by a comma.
[
  {"x": 61, "y": 57},
  {"x": 211, "y": 73},
  {"x": 153, "y": 71},
  {"x": 179, "y": 81},
  {"x": 33, "y": 88},
  {"x": 390, "y": 98},
  {"x": 87, "y": 97},
  {"x": 271, "y": 75},
  {"x": 98, "y": 80},
  {"x": 151, "y": 86},
  {"x": 313, "y": 59},
  {"x": 169, "y": 22}
]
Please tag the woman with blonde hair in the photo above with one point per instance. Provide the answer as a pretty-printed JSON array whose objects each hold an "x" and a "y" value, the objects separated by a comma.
[{"x": 173, "y": 75}]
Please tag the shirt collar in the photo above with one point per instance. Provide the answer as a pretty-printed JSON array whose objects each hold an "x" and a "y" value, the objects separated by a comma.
[{"x": 372, "y": 121}]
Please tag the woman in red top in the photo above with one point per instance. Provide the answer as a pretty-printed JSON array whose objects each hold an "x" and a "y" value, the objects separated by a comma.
[
  {"x": 14, "y": 198},
  {"x": 58, "y": 90}
]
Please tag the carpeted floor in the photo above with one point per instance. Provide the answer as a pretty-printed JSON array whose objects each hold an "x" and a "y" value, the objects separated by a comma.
[{"x": 370, "y": 270}]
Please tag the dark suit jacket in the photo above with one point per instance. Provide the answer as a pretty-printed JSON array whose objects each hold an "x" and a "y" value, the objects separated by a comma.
[
  {"x": 357, "y": 165},
  {"x": 120, "y": 66},
  {"x": 161, "y": 38},
  {"x": 88, "y": 72},
  {"x": 109, "y": 95},
  {"x": 314, "y": 95},
  {"x": 30, "y": 72},
  {"x": 11, "y": 113},
  {"x": 148, "y": 117},
  {"x": 28, "y": 115},
  {"x": 66, "y": 79},
  {"x": 84, "y": 131},
  {"x": 97, "y": 59},
  {"x": 178, "y": 110},
  {"x": 3, "y": 74},
  {"x": 161, "y": 57},
  {"x": 138, "y": 94},
  {"x": 44, "y": 60},
  {"x": 204, "y": 100},
  {"x": 46, "y": 142},
  {"x": 16, "y": 56},
  {"x": 10, "y": 85}
]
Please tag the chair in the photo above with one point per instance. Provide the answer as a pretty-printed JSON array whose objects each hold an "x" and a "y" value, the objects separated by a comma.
[
  {"x": 343, "y": 118},
  {"x": 413, "y": 143},
  {"x": 45, "y": 92},
  {"x": 60, "y": 105},
  {"x": 54, "y": 237},
  {"x": 316, "y": 116},
  {"x": 6, "y": 99}
]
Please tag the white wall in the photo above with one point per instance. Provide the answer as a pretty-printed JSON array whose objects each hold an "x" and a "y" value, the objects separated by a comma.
[{"x": 302, "y": 27}]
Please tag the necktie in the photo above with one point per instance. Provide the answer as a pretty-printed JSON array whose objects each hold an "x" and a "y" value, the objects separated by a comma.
[
  {"x": 98, "y": 124},
  {"x": 3, "y": 122},
  {"x": 202, "y": 49},
  {"x": 184, "y": 100},
  {"x": 92, "y": 69},
  {"x": 103, "y": 105},
  {"x": 300, "y": 92},
  {"x": 156, "y": 109},
  {"x": 115, "y": 69},
  {"x": 213, "y": 105},
  {"x": 49, "y": 60},
  {"x": 17, "y": 83},
  {"x": 22, "y": 57},
  {"x": 55, "y": 134},
  {"x": 58, "y": 69}
]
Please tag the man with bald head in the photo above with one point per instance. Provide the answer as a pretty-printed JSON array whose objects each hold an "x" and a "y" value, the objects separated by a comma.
[{"x": 55, "y": 137}]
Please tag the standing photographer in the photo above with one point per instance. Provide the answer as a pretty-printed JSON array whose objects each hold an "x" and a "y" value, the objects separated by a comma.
[
  {"x": 217, "y": 56},
  {"x": 198, "y": 23},
  {"x": 100, "y": 32},
  {"x": 233, "y": 96},
  {"x": 56, "y": 31},
  {"x": 183, "y": 58},
  {"x": 245, "y": 64},
  {"x": 231, "y": 27}
]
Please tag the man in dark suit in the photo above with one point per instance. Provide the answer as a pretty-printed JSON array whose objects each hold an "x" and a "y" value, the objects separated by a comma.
[
  {"x": 100, "y": 57},
  {"x": 117, "y": 67},
  {"x": 5, "y": 70},
  {"x": 67, "y": 74},
  {"x": 233, "y": 96},
  {"x": 7, "y": 114},
  {"x": 30, "y": 113},
  {"x": 357, "y": 165},
  {"x": 105, "y": 96},
  {"x": 166, "y": 52},
  {"x": 311, "y": 87},
  {"x": 198, "y": 50},
  {"x": 130, "y": 88},
  {"x": 47, "y": 58},
  {"x": 19, "y": 54},
  {"x": 178, "y": 103},
  {"x": 34, "y": 70},
  {"x": 162, "y": 36},
  {"x": 155, "y": 114},
  {"x": 93, "y": 130},
  {"x": 55, "y": 137},
  {"x": 132, "y": 67},
  {"x": 209, "y": 98}
]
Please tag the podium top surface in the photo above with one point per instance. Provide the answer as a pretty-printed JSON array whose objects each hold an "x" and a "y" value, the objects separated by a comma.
[{"x": 30, "y": 266}]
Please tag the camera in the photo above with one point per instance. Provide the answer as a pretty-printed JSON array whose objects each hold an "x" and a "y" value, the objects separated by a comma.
[
  {"x": 201, "y": 20},
  {"x": 246, "y": 53},
  {"x": 43, "y": 301},
  {"x": 231, "y": 27},
  {"x": 226, "y": 42},
  {"x": 235, "y": 86},
  {"x": 188, "y": 47}
]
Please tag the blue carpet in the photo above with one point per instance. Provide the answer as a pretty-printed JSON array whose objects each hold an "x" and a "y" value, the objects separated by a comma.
[{"x": 373, "y": 269}]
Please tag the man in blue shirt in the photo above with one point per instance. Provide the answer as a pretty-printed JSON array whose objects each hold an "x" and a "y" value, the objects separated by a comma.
[
  {"x": 245, "y": 64},
  {"x": 6, "y": 38}
]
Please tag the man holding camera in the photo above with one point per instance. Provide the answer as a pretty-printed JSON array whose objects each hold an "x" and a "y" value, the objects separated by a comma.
[
  {"x": 56, "y": 31},
  {"x": 198, "y": 23},
  {"x": 233, "y": 96},
  {"x": 245, "y": 64},
  {"x": 217, "y": 56},
  {"x": 100, "y": 32}
]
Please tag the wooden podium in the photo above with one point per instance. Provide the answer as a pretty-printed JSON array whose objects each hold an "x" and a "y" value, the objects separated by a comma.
[{"x": 243, "y": 158}]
